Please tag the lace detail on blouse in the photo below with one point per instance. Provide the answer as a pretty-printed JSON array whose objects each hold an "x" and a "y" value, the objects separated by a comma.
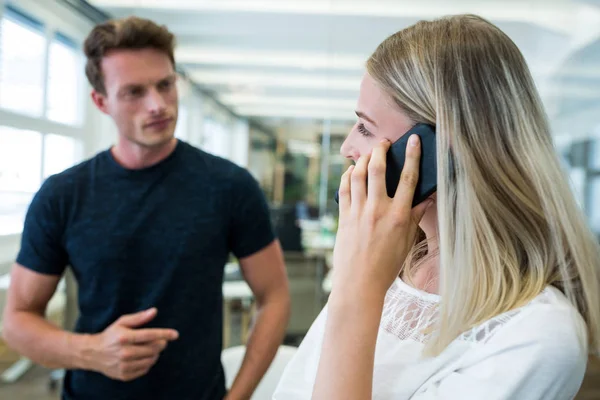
[{"x": 410, "y": 314}]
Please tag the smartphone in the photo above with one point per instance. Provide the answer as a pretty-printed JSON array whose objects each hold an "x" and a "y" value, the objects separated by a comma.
[{"x": 395, "y": 159}]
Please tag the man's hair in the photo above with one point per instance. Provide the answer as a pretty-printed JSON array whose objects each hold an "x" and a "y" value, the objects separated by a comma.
[{"x": 130, "y": 33}]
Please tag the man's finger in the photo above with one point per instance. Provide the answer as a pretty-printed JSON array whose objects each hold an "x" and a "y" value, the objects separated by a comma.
[
  {"x": 158, "y": 345},
  {"x": 139, "y": 336},
  {"x": 137, "y": 319},
  {"x": 140, "y": 365},
  {"x": 376, "y": 188},
  {"x": 138, "y": 352},
  {"x": 358, "y": 181},
  {"x": 410, "y": 174}
]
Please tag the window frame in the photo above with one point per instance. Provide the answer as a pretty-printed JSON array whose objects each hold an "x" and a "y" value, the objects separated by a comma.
[
  {"x": 57, "y": 24},
  {"x": 26, "y": 21},
  {"x": 61, "y": 38}
]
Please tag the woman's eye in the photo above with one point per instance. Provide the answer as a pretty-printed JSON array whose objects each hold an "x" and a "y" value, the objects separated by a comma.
[{"x": 363, "y": 131}]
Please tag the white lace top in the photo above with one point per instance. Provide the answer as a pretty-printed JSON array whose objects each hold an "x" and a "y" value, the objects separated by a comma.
[{"x": 536, "y": 352}]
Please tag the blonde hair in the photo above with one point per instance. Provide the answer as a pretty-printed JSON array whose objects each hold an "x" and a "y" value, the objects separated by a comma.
[{"x": 509, "y": 224}]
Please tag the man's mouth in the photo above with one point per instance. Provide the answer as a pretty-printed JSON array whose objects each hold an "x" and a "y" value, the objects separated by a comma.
[{"x": 159, "y": 123}]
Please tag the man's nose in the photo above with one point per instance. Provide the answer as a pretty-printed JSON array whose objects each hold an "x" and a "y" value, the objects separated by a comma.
[{"x": 155, "y": 102}]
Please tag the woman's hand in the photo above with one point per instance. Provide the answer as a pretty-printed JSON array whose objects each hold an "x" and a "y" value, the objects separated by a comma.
[
  {"x": 375, "y": 232},
  {"x": 374, "y": 236}
]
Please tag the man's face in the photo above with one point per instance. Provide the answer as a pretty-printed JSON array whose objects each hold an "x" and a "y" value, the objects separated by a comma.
[{"x": 141, "y": 95}]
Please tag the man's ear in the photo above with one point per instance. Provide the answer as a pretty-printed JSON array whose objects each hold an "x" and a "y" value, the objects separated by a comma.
[{"x": 100, "y": 101}]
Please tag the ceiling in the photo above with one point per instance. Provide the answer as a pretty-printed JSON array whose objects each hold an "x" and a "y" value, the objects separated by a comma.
[{"x": 294, "y": 63}]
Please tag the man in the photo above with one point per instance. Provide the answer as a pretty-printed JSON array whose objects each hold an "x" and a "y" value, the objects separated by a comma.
[{"x": 147, "y": 227}]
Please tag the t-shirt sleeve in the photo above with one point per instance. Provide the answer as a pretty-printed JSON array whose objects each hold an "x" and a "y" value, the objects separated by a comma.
[
  {"x": 41, "y": 241},
  {"x": 251, "y": 226},
  {"x": 521, "y": 362}
]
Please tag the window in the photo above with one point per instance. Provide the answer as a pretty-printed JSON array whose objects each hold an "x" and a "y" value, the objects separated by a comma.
[
  {"x": 22, "y": 53},
  {"x": 20, "y": 175},
  {"x": 13, "y": 207},
  {"x": 64, "y": 81},
  {"x": 60, "y": 153},
  {"x": 41, "y": 76},
  {"x": 20, "y": 160},
  {"x": 181, "y": 129},
  {"x": 216, "y": 138},
  {"x": 22, "y": 169}
]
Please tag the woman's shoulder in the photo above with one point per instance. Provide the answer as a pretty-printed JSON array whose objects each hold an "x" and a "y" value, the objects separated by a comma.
[
  {"x": 548, "y": 320},
  {"x": 549, "y": 324},
  {"x": 549, "y": 316}
]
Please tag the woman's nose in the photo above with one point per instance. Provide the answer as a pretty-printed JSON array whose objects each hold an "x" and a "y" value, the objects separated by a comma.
[{"x": 348, "y": 151}]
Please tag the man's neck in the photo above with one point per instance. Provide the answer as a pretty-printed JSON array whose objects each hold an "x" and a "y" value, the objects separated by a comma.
[{"x": 133, "y": 156}]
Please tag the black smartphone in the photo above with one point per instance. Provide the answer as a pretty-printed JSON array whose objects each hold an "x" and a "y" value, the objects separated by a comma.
[{"x": 395, "y": 159}]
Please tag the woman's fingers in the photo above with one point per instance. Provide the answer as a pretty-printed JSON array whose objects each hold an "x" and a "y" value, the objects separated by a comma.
[
  {"x": 377, "y": 188},
  {"x": 358, "y": 182},
  {"x": 409, "y": 176},
  {"x": 344, "y": 195}
]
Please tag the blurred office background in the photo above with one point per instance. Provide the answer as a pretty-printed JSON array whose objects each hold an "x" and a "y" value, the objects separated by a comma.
[{"x": 271, "y": 85}]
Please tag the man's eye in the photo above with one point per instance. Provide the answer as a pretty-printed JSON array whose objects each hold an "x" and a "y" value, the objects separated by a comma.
[
  {"x": 166, "y": 85},
  {"x": 135, "y": 92}
]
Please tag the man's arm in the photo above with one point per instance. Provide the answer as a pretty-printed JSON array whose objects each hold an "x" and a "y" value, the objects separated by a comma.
[
  {"x": 265, "y": 273},
  {"x": 40, "y": 264},
  {"x": 25, "y": 328},
  {"x": 120, "y": 352}
]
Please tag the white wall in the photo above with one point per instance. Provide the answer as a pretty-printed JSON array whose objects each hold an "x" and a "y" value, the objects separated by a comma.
[
  {"x": 240, "y": 142},
  {"x": 191, "y": 114},
  {"x": 195, "y": 118}
]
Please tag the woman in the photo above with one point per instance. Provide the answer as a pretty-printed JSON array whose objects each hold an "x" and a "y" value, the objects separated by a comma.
[{"x": 487, "y": 290}]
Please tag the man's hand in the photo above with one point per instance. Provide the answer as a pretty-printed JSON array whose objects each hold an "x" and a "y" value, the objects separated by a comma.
[{"x": 125, "y": 353}]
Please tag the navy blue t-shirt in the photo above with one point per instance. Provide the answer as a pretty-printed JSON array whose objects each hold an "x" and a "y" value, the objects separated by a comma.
[{"x": 156, "y": 237}]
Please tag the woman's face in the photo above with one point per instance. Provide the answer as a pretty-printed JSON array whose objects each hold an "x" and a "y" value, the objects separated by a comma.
[{"x": 379, "y": 117}]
